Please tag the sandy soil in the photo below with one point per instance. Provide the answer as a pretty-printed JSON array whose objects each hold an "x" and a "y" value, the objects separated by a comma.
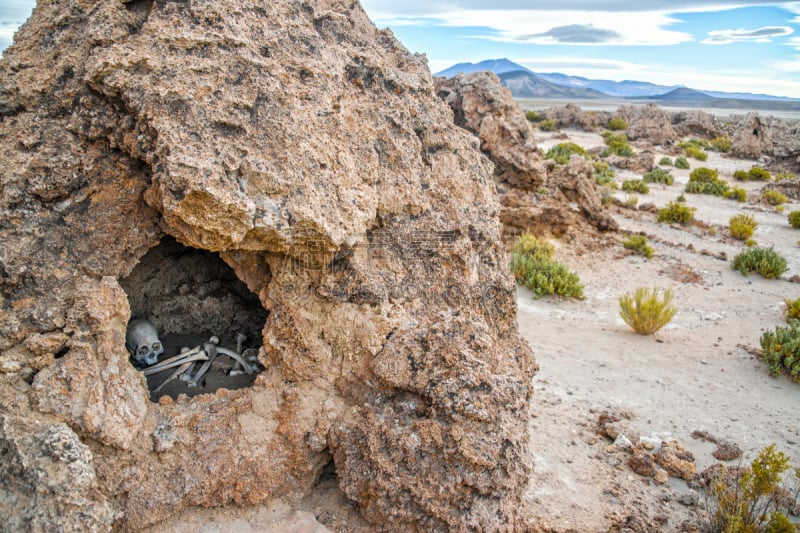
[{"x": 698, "y": 373}]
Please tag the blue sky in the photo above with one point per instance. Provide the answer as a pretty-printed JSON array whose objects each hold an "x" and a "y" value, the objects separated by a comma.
[{"x": 728, "y": 45}]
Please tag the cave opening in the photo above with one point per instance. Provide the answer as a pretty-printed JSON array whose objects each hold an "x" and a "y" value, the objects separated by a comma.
[{"x": 195, "y": 301}]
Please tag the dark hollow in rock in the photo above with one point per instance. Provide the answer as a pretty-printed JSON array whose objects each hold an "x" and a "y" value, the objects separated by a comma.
[{"x": 190, "y": 295}]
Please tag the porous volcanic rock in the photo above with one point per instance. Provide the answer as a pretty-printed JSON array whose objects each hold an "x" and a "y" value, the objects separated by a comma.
[
  {"x": 308, "y": 151},
  {"x": 696, "y": 122},
  {"x": 572, "y": 116},
  {"x": 648, "y": 122},
  {"x": 752, "y": 138},
  {"x": 481, "y": 104}
]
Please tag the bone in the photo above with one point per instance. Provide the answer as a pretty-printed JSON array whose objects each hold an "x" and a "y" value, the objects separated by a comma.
[
  {"x": 238, "y": 358},
  {"x": 187, "y": 376},
  {"x": 211, "y": 351},
  {"x": 237, "y": 368},
  {"x": 195, "y": 354},
  {"x": 181, "y": 369}
]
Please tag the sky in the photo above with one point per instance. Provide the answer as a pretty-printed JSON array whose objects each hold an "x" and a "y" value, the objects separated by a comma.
[{"x": 722, "y": 45}]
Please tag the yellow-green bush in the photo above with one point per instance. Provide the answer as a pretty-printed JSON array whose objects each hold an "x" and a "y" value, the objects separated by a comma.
[
  {"x": 794, "y": 219},
  {"x": 638, "y": 243},
  {"x": 638, "y": 186},
  {"x": 792, "y": 309},
  {"x": 780, "y": 176},
  {"x": 766, "y": 261},
  {"x": 647, "y": 310},
  {"x": 752, "y": 499},
  {"x": 775, "y": 197},
  {"x": 659, "y": 175},
  {"x": 676, "y": 212},
  {"x": 617, "y": 144},
  {"x": 534, "y": 116},
  {"x": 603, "y": 174},
  {"x": 666, "y": 161},
  {"x": 721, "y": 143},
  {"x": 681, "y": 162},
  {"x": 563, "y": 151},
  {"x": 742, "y": 226},
  {"x": 737, "y": 193},
  {"x": 696, "y": 153},
  {"x": 617, "y": 123},
  {"x": 547, "y": 125},
  {"x": 533, "y": 265}
]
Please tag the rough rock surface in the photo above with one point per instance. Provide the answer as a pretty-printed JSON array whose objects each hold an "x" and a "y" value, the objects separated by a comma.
[
  {"x": 648, "y": 122},
  {"x": 482, "y": 105},
  {"x": 310, "y": 152},
  {"x": 572, "y": 116},
  {"x": 752, "y": 138},
  {"x": 641, "y": 163},
  {"x": 696, "y": 122},
  {"x": 485, "y": 107}
]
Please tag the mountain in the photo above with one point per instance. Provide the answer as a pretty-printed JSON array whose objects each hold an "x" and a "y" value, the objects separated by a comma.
[
  {"x": 525, "y": 84},
  {"x": 498, "y": 66},
  {"x": 684, "y": 95},
  {"x": 626, "y": 88},
  {"x": 749, "y": 96}
]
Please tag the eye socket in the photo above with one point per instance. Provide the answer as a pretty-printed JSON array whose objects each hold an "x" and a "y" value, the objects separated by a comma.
[
  {"x": 143, "y": 350},
  {"x": 156, "y": 346}
]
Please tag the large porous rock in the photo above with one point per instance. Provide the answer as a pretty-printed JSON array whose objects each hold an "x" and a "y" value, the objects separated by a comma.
[
  {"x": 696, "y": 122},
  {"x": 752, "y": 137},
  {"x": 648, "y": 122},
  {"x": 642, "y": 162},
  {"x": 785, "y": 146},
  {"x": 308, "y": 151},
  {"x": 572, "y": 116},
  {"x": 485, "y": 107}
]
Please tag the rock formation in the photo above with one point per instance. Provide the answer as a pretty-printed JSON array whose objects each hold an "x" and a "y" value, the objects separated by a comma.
[
  {"x": 752, "y": 137},
  {"x": 696, "y": 122},
  {"x": 482, "y": 105},
  {"x": 485, "y": 107},
  {"x": 572, "y": 116},
  {"x": 649, "y": 122},
  {"x": 309, "y": 152},
  {"x": 775, "y": 140}
]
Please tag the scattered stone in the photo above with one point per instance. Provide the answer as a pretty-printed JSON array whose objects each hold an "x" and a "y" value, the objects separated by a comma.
[
  {"x": 727, "y": 451},
  {"x": 649, "y": 207},
  {"x": 622, "y": 442},
  {"x": 689, "y": 499},
  {"x": 661, "y": 476},
  {"x": 676, "y": 460},
  {"x": 622, "y": 428},
  {"x": 642, "y": 464}
]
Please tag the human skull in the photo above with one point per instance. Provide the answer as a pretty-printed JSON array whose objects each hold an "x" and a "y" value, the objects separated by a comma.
[{"x": 141, "y": 340}]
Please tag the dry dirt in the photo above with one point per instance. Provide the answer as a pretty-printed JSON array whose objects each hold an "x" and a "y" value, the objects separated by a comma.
[{"x": 697, "y": 374}]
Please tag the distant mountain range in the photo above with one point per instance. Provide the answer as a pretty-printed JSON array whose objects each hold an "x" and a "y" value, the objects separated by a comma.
[{"x": 524, "y": 83}]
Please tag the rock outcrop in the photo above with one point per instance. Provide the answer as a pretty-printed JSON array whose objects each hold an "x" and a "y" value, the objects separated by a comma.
[
  {"x": 309, "y": 152},
  {"x": 572, "y": 116},
  {"x": 648, "y": 122},
  {"x": 752, "y": 138},
  {"x": 482, "y": 105},
  {"x": 696, "y": 122}
]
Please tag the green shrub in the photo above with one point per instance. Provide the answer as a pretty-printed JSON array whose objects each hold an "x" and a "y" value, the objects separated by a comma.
[
  {"x": 696, "y": 153},
  {"x": 792, "y": 309},
  {"x": 659, "y": 175},
  {"x": 704, "y": 175},
  {"x": 752, "y": 499},
  {"x": 750, "y": 243},
  {"x": 741, "y": 175},
  {"x": 718, "y": 188},
  {"x": 721, "y": 144},
  {"x": 638, "y": 243},
  {"x": 603, "y": 174},
  {"x": 759, "y": 174},
  {"x": 695, "y": 142},
  {"x": 742, "y": 226},
  {"x": 780, "y": 176},
  {"x": 548, "y": 125},
  {"x": 782, "y": 349},
  {"x": 534, "y": 116},
  {"x": 682, "y": 163},
  {"x": 794, "y": 219},
  {"x": 533, "y": 265},
  {"x": 617, "y": 144},
  {"x": 737, "y": 193},
  {"x": 666, "y": 161},
  {"x": 766, "y": 261},
  {"x": 563, "y": 151},
  {"x": 647, "y": 311},
  {"x": 676, "y": 212},
  {"x": 681, "y": 198},
  {"x": 775, "y": 197},
  {"x": 635, "y": 186},
  {"x": 631, "y": 201},
  {"x": 617, "y": 123}
]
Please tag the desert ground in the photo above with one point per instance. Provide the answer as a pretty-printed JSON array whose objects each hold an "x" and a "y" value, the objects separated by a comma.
[{"x": 700, "y": 373}]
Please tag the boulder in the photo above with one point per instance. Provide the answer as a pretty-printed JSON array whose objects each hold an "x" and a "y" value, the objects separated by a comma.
[
  {"x": 648, "y": 122},
  {"x": 752, "y": 138},
  {"x": 306, "y": 152},
  {"x": 482, "y": 105},
  {"x": 696, "y": 122},
  {"x": 572, "y": 116}
]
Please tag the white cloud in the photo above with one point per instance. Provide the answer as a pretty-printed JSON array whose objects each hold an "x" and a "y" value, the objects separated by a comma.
[
  {"x": 548, "y": 27},
  {"x": 759, "y": 35}
]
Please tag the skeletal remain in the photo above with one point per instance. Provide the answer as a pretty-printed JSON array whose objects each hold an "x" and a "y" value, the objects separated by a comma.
[
  {"x": 237, "y": 369},
  {"x": 195, "y": 354},
  {"x": 210, "y": 348},
  {"x": 141, "y": 340},
  {"x": 181, "y": 369},
  {"x": 237, "y": 357}
]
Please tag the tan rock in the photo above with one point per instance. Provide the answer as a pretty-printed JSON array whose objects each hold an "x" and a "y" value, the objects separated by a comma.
[
  {"x": 648, "y": 122},
  {"x": 661, "y": 476},
  {"x": 676, "y": 460},
  {"x": 310, "y": 152}
]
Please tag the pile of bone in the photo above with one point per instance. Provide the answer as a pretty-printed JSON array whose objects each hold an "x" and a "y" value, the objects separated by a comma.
[{"x": 191, "y": 364}]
